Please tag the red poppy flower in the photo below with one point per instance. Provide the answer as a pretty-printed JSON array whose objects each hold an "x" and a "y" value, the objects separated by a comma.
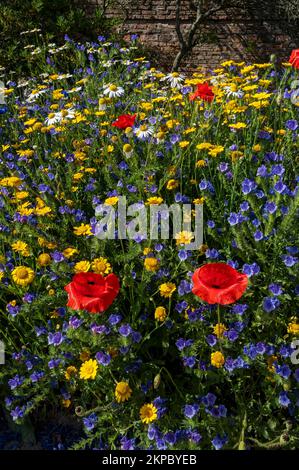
[
  {"x": 203, "y": 91},
  {"x": 219, "y": 283},
  {"x": 92, "y": 292},
  {"x": 294, "y": 59},
  {"x": 124, "y": 120}
]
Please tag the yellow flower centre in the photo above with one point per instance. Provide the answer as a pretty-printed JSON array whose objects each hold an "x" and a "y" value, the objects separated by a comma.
[
  {"x": 113, "y": 88},
  {"x": 22, "y": 273}
]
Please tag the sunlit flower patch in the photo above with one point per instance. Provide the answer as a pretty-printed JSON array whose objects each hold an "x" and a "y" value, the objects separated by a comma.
[{"x": 147, "y": 343}]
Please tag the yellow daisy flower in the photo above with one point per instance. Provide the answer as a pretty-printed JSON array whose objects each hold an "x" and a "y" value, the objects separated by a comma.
[
  {"x": 160, "y": 314},
  {"x": 44, "y": 259},
  {"x": 167, "y": 289},
  {"x": 88, "y": 370},
  {"x": 22, "y": 275},
  {"x": 151, "y": 264},
  {"x": 217, "y": 359},
  {"x": 148, "y": 413},
  {"x": 70, "y": 371},
  {"x": 101, "y": 266},
  {"x": 82, "y": 267},
  {"x": 83, "y": 229},
  {"x": 122, "y": 392}
]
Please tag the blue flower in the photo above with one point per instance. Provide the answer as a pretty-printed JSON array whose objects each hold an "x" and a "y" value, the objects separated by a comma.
[
  {"x": 270, "y": 304},
  {"x": 103, "y": 358},
  {"x": 55, "y": 338},
  {"x": 114, "y": 319},
  {"x": 212, "y": 253},
  {"x": 90, "y": 421},
  {"x": 292, "y": 124},
  {"x": 125, "y": 330},
  {"x": 190, "y": 410},
  {"x": 258, "y": 235},
  {"x": 270, "y": 207},
  {"x": 284, "y": 371},
  {"x": 218, "y": 441},
  {"x": 15, "y": 382},
  {"x": 209, "y": 399},
  {"x": 248, "y": 186},
  {"x": 233, "y": 219},
  {"x": 289, "y": 261},
  {"x": 189, "y": 361},
  {"x": 128, "y": 444},
  {"x": 211, "y": 340},
  {"x": 284, "y": 399},
  {"x": 170, "y": 438},
  {"x": 275, "y": 289}
]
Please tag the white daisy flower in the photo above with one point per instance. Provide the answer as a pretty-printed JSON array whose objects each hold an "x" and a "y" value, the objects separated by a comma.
[
  {"x": 113, "y": 91},
  {"x": 231, "y": 90},
  {"x": 53, "y": 118},
  {"x": 34, "y": 95},
  {"x": 174, "y": 79},
  {"x": 218, "y": 79},
  {"x": 144, "y": 131}
]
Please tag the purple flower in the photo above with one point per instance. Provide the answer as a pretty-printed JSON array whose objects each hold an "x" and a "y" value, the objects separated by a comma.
[
  {"x": 125, "y": 330},
  {"x": 99, "y": 329},
  {"x": 160, "y": 404},
  {"x": 239, "y": 309},
  {"x": 212, "y": 253},
  {"x": 40, "y": 330},
  {"x": 183, "y": 343},
  {"x": 128, "y": 444},
  {"x": 209, "y": 399},
  {"x": 183, "y": 255},
  {"x": 103, "y": 358},
  {"x": 15, "y": 382},
  {"x": 284, "y": 399},
  {"x": 54, "y": 363},
  {"x": 194, "y": 436},
  {"x": 211, "y": 340},
  {"x": 233, "y": 219},
  {"x": 170, "y": 438},
  {"x": 218, "y": 441},
  {"x": 55, "y": 338},
  {"x": 289, "y": 261},
  {"x": 258, "y": 235},
  {"x": 17, "y": 413},
  {"x": 75, "y": 322},
  {"x": 189, "y": 361},
  {"x": 136, "y": 336},
  {"x": 292, "y": 124},
  {"x": 29, "y": 297},
  {"x": 251, "y": 269},
  {"x": 275, "y": 289},
  {"x": 36, "y": 376},
  {"x": 262, "y": 171},
  {"x": 190, "y": 410},
  {"x": 270, "y": 304},
  {"x": 244, "y": 206},
  {"x": 284, "y": 371},
  {"x": 248, "y": 186},
  {"x": 114, "y": 319},
  {"x": 184, "y": 287},
  {"x": 232, "y": 335},
  {"x": 280, "y": 187},
  {"x": 90, "y": 421},
  {"x": 270, "y": 207},
  {"x": 153, "y": 432}
]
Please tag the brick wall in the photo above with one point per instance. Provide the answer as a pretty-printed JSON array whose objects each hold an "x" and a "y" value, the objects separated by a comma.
[{"x": 251, "y": 35}]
